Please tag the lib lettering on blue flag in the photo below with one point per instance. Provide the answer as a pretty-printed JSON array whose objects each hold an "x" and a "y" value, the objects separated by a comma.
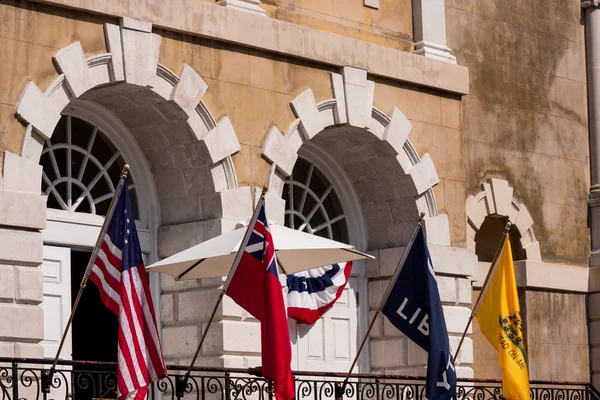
[{"x": 414, "y": 307}]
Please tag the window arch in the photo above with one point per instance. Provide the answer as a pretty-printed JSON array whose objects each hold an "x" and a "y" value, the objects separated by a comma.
[
  {"x": 98, "y": 135},
  {"x": 80, "y": 168},
  {"x": 331, "y": 207},
  {"x": 312, "y": 203}
]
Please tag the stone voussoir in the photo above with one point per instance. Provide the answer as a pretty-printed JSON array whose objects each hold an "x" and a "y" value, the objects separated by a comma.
[
  {"x": 221, "y": 141},
  {"x": 72, "y": 63},
  {"x": 305, "y": 108},
  {"x": 189, "y": 90},
  {"x": 278, "y": 151},
  {"x": 424, "y": 174},
  {"x": 397, "y": 131},
  {"x": 36, "y": 109}
]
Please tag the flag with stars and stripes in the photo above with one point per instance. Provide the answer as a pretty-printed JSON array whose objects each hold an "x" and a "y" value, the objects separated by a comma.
[
  {"x": 120, "y": 276},
  {"x": 254, "y": 284}
]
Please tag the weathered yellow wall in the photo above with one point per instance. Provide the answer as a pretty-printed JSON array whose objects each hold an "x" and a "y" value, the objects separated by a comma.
[
  {"x": 525, "y": 119},
  {"x": 390, "y": 25},
  {"x": 252, "y": 88},
  {"x": 437, "y": 130},
  {"x": 29, "y": 35}
]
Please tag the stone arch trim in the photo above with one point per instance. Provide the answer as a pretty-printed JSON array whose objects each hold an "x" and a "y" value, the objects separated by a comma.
[
  {"x": 132, "y": 58},
  {"x": 496, "y": 198},
  {"x": 353, "y": 105}
]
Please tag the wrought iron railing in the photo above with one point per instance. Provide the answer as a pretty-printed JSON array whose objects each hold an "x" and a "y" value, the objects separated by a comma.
[{"x": 81, "y": 380}]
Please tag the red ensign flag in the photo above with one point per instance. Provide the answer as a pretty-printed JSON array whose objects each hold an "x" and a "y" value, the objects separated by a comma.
[{"x": 254, "y": 285}]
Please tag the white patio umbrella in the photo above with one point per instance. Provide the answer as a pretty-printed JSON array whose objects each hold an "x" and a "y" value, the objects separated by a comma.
[{"x": 296, "y": 251}]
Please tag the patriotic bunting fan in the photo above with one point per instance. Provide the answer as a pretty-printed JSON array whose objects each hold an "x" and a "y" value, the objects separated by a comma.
[{"x": 311, "y": 293}]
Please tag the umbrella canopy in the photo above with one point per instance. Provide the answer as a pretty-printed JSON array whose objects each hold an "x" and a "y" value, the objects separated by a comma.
[{"x": 296, "y": 251}]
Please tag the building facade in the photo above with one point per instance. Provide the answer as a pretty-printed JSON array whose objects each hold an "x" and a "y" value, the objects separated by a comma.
[{"x": 360, "y": 114}]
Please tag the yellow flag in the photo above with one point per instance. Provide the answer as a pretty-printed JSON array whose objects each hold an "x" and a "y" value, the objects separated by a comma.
[{"x": 500, "y": 320}]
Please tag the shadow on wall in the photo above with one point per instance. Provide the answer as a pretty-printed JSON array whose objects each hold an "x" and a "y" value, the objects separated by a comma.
[
  {"x": 525, "y": 119},
  {"x": 386, "y": 194},
  {"x": 489, "y": 235}
]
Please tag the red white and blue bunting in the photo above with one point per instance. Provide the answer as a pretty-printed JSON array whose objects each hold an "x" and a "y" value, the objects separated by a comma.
[{"x": 311, "y": 293}]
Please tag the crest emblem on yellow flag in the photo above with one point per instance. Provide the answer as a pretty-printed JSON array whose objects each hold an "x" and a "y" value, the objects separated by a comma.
[{"x": 500, "y": 320}]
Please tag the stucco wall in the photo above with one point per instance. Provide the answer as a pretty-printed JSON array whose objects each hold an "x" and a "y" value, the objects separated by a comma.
[
  {"x": 525, "y": 119},
  {"x": 390, "y": 25},
  {"x": 29, "y": 35},
  {"x": 437, "y": 129},
  {"x": 254, "y": 90}
]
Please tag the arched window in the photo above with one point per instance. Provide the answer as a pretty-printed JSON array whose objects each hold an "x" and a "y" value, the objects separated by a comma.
[
  {"x": 489, "y": 235},
  {"x": 81, "y": 168},
  {"x": 312, "y": 204},
  {"x": 321, "y": 200}
]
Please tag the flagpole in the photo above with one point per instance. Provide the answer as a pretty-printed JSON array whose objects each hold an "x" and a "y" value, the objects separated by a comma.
[
  {"x": 486, "y": 285},
  {"x": 340, "y": 389},
  {"x": 181, "y": 380},
  {"x": 88, "y": 269}
]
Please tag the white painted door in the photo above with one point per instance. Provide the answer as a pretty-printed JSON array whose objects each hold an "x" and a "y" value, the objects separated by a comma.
[
  {"x": 56, "y": 268},
  {"x": 330, "y": 344}
]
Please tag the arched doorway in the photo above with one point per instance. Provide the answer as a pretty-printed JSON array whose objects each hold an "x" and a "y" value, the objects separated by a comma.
[
  {"x": 154, "y": 120},
  {"x": 394, "y": 184},
  {"x": 81, "y": 164},
  {"x": 391, "y": 186},
  {"x": 321, "y": 200}
]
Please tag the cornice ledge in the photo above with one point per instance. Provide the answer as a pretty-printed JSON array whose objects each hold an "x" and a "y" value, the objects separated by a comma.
[
  {"x": 590, "y": 3},
  {"x": 200, "y": 18}
]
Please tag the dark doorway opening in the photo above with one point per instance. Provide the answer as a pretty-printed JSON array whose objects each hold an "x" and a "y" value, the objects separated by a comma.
[
  {"x": 95, "y": 327},
  {"x": 94, "y": 337}
]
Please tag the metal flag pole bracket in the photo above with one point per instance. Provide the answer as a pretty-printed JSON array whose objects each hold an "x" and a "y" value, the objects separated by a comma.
[
  {"x": 47, "y": 375},
  {"x": 485, "y": 286},
  {"x": 182, "y": 380},
  {"x": 341, "y": 388}
]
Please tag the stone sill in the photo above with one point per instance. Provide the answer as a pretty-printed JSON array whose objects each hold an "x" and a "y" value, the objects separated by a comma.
[
  {"x": 200, "y": 18},
  {"x": 540, "y": 275}
]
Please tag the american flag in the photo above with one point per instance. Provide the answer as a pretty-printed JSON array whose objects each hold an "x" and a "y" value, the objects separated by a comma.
[{"x": 120, "y": 276}]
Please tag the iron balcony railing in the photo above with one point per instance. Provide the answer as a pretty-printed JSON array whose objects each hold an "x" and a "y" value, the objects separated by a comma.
[{"x": 84, "y": 380}]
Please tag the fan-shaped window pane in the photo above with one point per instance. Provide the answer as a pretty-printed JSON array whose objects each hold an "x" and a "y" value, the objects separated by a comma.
[
  {"x": 81, "y": 168},
  {"x": 312, "y": 205}
]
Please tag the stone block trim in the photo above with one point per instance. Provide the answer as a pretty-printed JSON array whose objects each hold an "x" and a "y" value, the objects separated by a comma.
[
  {"x": 112, "y": 35},
  {"x": 397, "y": 131},
  {"x": 424, "y": 175},
  {"x": 135, "y": 25},
  {"x": 205, "y": 19},
  {"x": 496, "y": 198},
  {"x": 359, "y": 96},
  {"x": 221, "y": 141},
  {"x": 20, "y": 247},
  {"x": 133, "y": 52},
  {"x": 140, "y": 55},
  {"x": 189, "y": 90},
  {"x": 352, "y": 105},
  {"x": 72, "y": 63},
  {"x": 305, "y": 108},
  {"x": 21, "y": 175},
  {"x": 277, "y": 151},
  {"x": 437, "y": 230},
  {"x": 251, "y": 6},
  {"x": 26, "y": 323},
  {"x": 133, "y": 58},
  {"x": 35, "y": 109}
]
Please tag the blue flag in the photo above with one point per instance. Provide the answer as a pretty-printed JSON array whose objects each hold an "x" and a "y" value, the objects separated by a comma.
[{"x": 413, "y": 306}]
